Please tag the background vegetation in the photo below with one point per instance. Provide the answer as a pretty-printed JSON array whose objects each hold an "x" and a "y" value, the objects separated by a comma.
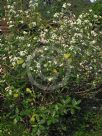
[{"x": 51, "y": 29}]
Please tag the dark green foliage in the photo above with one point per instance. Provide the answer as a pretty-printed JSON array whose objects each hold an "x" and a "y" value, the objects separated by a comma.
[
  {"x": 97, "y": 7},
  {"x": 42, "y": 111},
  {"x": 7, "y": 128},
  {"x": 2, "y": 11}
]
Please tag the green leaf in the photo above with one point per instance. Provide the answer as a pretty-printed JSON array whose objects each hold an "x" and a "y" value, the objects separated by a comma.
[
  {"x": 72, "y": 111},
  {"x": 20, "y": 61}
]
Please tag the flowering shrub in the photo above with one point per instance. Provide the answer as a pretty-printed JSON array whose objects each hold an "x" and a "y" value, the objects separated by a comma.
[{"x": 45, "y": 61}]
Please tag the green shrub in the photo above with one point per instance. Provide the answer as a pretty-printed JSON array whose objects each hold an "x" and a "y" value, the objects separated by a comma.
[
  {"x": 97, "y": 7},
  {"x": 7, "y": 128},
  {"x": 95, "y": 125},
  {"x": 43, "y": 62}
]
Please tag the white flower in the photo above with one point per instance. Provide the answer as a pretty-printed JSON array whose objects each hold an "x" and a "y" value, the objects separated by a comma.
[
  {"x": 21, "y": 21},
  {"x": 20, "y": 38},
  {"x": 64, "y": 5},
  {"x": 78, "y": 35},
  {"x": 29, "y": 57},
  {"x": 50, "y": 78},
  {"x": 10, "y": 26},
  {"x": 34, "y": 23},
  {"x": 95, "y": 16},
  {"x": 17, "y": 15},
  {"x": 28, "y": 45},
  {"x": 76, "y": 28},
  {"x": 54, "y": 36},
  {"x": 90, "y": 10},
  {"x": 10, "y": 22},
  {"x": 90, "y": 24},
  {"x": 38, "y": 65},
  {"x": 8, "y": 6},
  {"x": 24, "y": 32},
  {"x": 93, "y": 33},
  {"x": 86, "y": 21},
  {"x": 56, "y": 14},
  {"x": 93, "y": 42},
  {"x": 20, "y": 11},
  {"x": 22, "y": 53},
  {"x": 79, "y": 21},
  {"x": 80, "y": 16},
  {"x": 45, "y": 30},
  {"x": 12, "y": 11},
  {"x": 68, "y": 4},
  {"x": 26, "y": 12}
]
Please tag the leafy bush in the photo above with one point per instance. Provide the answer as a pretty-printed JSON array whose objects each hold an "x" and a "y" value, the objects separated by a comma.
[
  {"x": 97, "y": 7},
  {"x": 2, "y": 13},
  {"x": 7, "y": 128},
  {"x": 43, "y": 62},
  {"x": 95, "y": 125}
]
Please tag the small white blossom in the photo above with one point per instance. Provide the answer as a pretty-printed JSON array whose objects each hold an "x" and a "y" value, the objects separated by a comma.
[
  {"x": 93, "y": 42},
  {"x": 90, "y": 10},
  {"x": 93, "y": 33},
  {"x": 79, "y": 21},
  {"x": 28, "y": 45},
  {"x": 34, "y": 23},
  {"x": 24, "y": 32},
  {"x": 21, "y": 21},
  {"x": 56, "y": 14},
  {"x": 64, "y": 5},
  {"x": 95, "y": 16},
  {"x": 22, "y": 53}
]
